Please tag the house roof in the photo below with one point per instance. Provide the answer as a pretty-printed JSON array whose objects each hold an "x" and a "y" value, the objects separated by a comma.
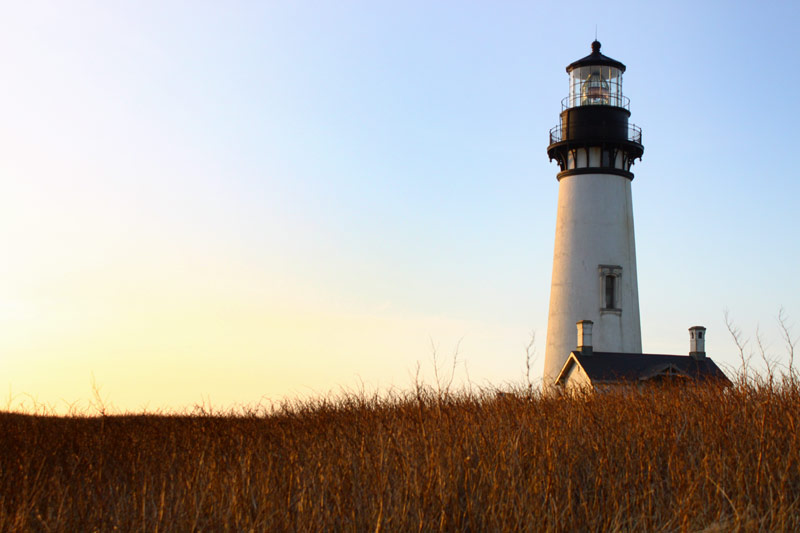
[{"x": 616, "y": 367}]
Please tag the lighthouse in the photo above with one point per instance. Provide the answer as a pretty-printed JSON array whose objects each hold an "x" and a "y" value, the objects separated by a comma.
[{"x": 594, "y": 262}]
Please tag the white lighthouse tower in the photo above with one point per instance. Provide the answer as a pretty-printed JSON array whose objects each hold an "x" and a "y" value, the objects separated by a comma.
[{"x": 594, "y": 264}]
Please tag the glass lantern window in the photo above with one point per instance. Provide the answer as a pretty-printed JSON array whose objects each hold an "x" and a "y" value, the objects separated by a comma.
[{"x": 595, "y": 85}]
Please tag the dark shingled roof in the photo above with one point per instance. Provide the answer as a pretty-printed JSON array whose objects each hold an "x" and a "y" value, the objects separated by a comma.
[
  {"x": 608, "y": 366},
  {"x": 596, "y": 58}
]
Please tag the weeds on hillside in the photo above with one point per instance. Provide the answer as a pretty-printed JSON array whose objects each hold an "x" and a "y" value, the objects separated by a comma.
[
  {"x": 661, "y": 458},
  {"x": 665, "y": 458}
]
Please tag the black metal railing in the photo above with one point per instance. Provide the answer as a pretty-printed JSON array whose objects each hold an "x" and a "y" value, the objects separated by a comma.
[
  {"x": 634, "y": 134},
  {"x": 613, "y": 100}
]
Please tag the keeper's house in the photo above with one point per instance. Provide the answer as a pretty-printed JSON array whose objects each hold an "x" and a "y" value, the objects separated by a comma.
[{"x": 586, "y": 369}]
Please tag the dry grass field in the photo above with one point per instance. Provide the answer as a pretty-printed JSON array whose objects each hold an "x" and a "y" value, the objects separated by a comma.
[{"x": 658, "y": 459}]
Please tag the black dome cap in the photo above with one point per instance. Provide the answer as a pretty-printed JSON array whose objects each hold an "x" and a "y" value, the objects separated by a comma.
[{"x": 596, "y": 58}]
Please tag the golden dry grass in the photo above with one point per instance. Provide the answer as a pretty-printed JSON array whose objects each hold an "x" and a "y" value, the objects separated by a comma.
[{"x": 658, "y": 459}]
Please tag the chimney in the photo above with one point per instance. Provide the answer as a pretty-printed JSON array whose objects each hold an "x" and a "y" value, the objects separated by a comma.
[
  {"x": 585, "y": 337},
  {"x": 697, "y": 342}
]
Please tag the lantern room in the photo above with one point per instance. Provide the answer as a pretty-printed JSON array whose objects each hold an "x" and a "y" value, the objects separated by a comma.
[
  {"x": 594, "y": 131},
  {"x": 595, "y": 80}
]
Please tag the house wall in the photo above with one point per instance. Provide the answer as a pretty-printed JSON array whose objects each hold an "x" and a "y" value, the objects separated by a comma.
[{"x": 577, "y": 380}]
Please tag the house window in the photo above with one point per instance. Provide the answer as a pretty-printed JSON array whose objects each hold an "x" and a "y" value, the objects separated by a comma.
[{"x": 610, "y": 288}]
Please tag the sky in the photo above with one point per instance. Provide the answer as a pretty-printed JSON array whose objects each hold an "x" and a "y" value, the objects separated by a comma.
[{"x": 234, "y": 203}]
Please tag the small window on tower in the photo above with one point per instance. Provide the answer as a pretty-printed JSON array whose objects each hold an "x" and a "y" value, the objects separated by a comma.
[
  {"x": 610, "y": 299},
  {"x": 611, "y": 282}
]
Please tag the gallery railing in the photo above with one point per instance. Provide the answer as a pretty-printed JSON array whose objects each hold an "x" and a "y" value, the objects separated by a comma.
[
  {"x": 634, "y": 134},
  {"x": 613, "y": 100}
]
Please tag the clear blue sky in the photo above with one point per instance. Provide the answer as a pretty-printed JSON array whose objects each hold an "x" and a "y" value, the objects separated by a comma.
[{"x": 247, "y": 200}]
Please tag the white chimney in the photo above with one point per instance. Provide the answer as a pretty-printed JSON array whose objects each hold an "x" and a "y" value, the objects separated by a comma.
[
  {"x": 697, "y": 342},
  {"x": 585, "y": 337}
]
